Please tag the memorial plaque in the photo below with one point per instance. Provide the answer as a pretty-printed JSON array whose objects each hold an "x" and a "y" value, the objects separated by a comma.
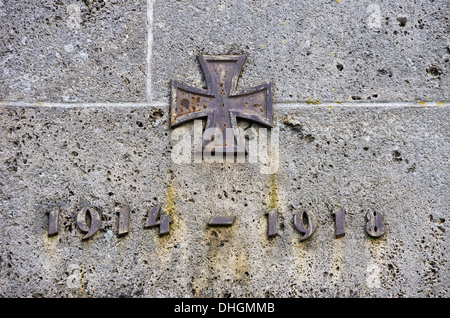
[{"x": 213, "y": 150}]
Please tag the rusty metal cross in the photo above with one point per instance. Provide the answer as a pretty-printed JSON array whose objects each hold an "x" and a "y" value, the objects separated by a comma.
[{"x": 221, "y": 103}]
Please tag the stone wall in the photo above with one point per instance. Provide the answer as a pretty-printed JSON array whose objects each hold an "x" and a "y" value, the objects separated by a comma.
[{"x": 359, "y": 100}]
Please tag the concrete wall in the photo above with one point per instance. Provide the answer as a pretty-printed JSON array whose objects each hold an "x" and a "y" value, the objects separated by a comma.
[{"x": 360, "y": 97}]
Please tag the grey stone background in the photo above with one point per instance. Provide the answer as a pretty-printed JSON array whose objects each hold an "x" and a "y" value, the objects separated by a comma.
[{"x": 360, "y": 100}]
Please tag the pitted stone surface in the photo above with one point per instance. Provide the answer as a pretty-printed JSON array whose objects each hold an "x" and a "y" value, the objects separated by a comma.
[
  {"x": 73, "y": 51},
  {"x": 391, "y": 159},
  {"x": 318, "y": 51},
  {"x": 79, "y": 62}
]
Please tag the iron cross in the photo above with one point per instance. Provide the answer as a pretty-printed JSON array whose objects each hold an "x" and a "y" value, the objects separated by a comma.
[{"x": 221, "y": 103}]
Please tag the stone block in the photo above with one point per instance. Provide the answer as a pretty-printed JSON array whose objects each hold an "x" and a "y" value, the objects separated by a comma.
[
  {"x": 389, "y": 159},
  {"x": 319, "y": 51},
  {"x": 73, "y": 51}
]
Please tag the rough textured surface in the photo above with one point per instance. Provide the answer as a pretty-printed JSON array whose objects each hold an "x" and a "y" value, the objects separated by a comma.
[
  {"x": 84, "y": 95},
  {"x": 391, "y": 159},
  {"x": 73, "y": 51},
  {"x": 317, "y": 51}
]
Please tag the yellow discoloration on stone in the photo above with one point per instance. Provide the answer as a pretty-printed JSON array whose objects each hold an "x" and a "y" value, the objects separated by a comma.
[
  {"x": 226, "y": 257},
  {"x": 273, "y": 203},
  {"x": 314, "y": 101},
  {"x": 170, "y": 199},
  {"x": 170, "y": 208}
]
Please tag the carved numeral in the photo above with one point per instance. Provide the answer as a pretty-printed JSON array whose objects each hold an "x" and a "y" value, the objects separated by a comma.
[
  {"x": 339, "y": 223},
  {"x": 124, "y": 221},
  {"x": 53, "y": 222},
  {"x": 163, "y": 223},
  {"x": 88, "y": 221},
  {"x": 306, "y": 223},
  {"x": 375, "y": 224},
  {"x": 222, "y": 221},
  {"x": 272, "y": 222}
]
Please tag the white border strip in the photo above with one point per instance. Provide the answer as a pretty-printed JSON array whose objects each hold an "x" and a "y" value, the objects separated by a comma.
[
  {"x": 356, "y": 104},
  {"x": 83, "y": 105},
  {"x": 275, "y": 105},
  {"x": 149, "y": 88}
]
